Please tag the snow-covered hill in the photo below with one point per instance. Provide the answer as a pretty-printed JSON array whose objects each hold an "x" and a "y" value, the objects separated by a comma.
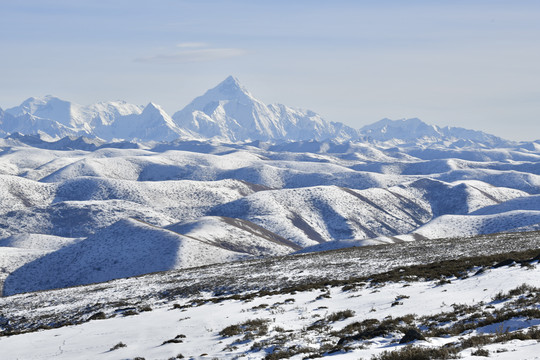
[
  {"x": 254, "y": 198},
  {"x": 236, "y": 235},
  {"x": 127, "y": 248},
  {"x": 313, "y": 215},
  {"x": 92, "y": 203}
]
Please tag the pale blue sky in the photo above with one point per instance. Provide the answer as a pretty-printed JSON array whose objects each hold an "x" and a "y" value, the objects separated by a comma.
[{"x": 474, "y": 64}]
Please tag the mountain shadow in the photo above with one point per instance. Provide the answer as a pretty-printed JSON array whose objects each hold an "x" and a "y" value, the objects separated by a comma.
[{"x": 127, "y": 248}]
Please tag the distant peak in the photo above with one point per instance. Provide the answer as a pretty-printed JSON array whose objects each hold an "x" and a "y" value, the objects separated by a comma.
[
  {"x": 152, "y": 105},
  {"x": 402, "y": 121},
  {"x": 45, "y": 98},
  {"x": 231, "y": 80},
  {"x": 153, "y": 108},
  {"x": 231, "y": 85},
  {"x": 37, "y": 101}
]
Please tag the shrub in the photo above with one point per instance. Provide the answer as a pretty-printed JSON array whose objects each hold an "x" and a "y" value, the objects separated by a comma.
[
  {"x": 500, "y": 296},
  {"x": 172, "y": 341},
  {"x": 325, "y": 295},
  {"x": 340, "y": 315},
  {"x": 231, "y": 330},
  {"x": 255, "y": 327},
  {"x": 287, "y": 353},
  {"x": 523, "y": 289},
  {"x": 118, "y": 346},
  {"x": 418, "y": 353},
  {"x": 481, "y": 352},
  {"x": 443, "y": 281},
  {"x": 476, "y": 341},
  {"x": 259, "y": 307},
  {"x": 177, "y": 340}
]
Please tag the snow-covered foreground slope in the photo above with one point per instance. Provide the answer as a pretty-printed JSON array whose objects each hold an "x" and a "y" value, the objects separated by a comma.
[
  {"x": 474, "y": 306},
  {"x": 166, "y": 332}
]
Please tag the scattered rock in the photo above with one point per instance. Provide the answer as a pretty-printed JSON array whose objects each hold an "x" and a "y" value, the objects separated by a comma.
[
  {"x": 98, "y": 316},
  {"x": 411, "y": 335}
]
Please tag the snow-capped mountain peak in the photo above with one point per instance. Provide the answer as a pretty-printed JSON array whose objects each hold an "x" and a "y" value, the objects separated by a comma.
[
  {"x": 152, "y": 124},
  {"x": 35, "y": 104},
  {"x": 48, "y": 107},
  {"x": 229, "y": 111},
  {"x": 405, "y": 129},
  {"x": 154, "y": 115},
  {"x": 104, "y": 113},
  {"x": 153, "y": 108},
  {"x": 230, "y": 88},
  {"x": 415, "y": 129}
]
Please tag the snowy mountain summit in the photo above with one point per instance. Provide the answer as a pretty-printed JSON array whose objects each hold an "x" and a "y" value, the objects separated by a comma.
[
  {"x": 416, "y": 130},
  {"x": 230, "y": 112}
]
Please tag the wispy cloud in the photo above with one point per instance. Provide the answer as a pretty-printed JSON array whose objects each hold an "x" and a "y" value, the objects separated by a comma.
[
  {"x": 188, "y": 45},
  {"x": 192, "y": 52}
]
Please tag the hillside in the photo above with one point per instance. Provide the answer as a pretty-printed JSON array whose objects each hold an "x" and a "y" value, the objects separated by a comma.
[
  {"x": 350, "y": 303},
  {"x": 127, "y": 248},
  {"x": 252, "y": 199}
]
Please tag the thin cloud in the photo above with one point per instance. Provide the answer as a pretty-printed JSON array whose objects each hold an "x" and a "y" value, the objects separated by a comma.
[
  {"x": 193, "y": 55},
  {"x": 185, "y": 45}
]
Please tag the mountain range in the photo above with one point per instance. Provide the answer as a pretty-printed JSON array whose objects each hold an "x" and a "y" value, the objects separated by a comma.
[
  {"x": 110, "y": 190},
  {"x": 120, "y": 224},
  {"x": 227, "y": 112}
]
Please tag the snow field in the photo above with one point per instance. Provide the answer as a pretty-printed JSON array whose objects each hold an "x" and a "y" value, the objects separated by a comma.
[{"x": 144, "y": 334}]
